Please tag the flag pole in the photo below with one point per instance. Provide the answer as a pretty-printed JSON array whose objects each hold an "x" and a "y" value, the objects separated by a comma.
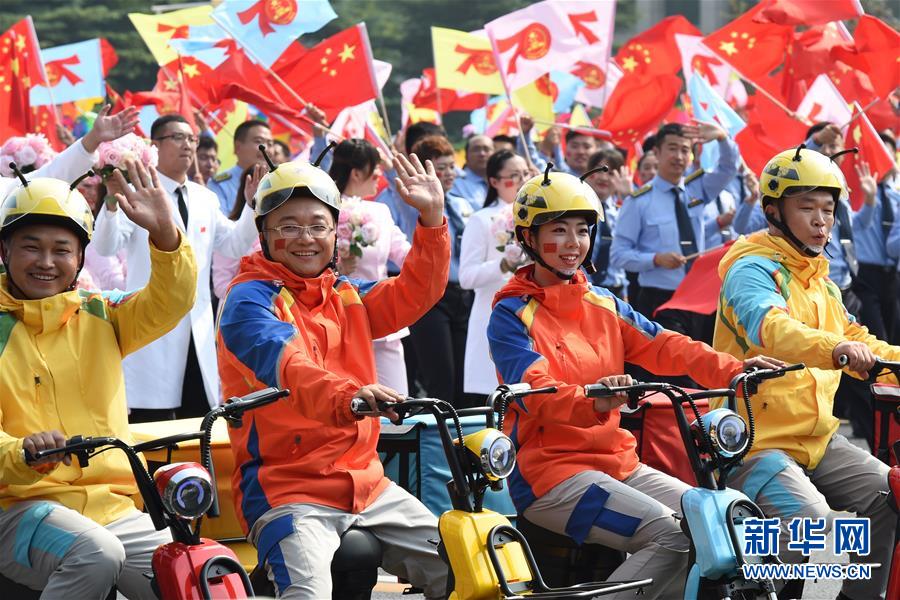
[
  {"x": 437, "y": 83},
  {"x": 37, "y": 45},
  {"x": 771, "y": 98},
  {"x": 587, "y": 130},
  {"x": 274, "y": 75},
  {"x": 508, "y": 98},
  {"x": 861, "y": 111},
  {"x": 370, "y": 57}
]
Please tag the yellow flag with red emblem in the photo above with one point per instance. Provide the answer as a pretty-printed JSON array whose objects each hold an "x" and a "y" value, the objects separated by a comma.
[
  {"x": 464, "y": 61},
  {"x": 157, "y": 30},
  {"x": 536, "y": 99}
]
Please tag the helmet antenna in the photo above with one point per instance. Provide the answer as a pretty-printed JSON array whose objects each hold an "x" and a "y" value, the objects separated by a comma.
[
  {"x": 18, "y": 174},
  {"x": 600, "y": 169},
  {"x": 842, "y": 152},
  {"x": 75, "y": 183},
  {"x": 797, "y": 157},
  {"x": 322, "y": 154},
  {"x": 262, "y": 150},
  {"x": 546, "y": 180}
]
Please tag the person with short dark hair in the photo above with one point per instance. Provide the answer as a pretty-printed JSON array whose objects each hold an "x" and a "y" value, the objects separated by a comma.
[
  {"x": 661, "y": 227},
  {"x": 504, "y": 142},
  {"x": 281, "y": 152},
  {"x": 579, "y": 147},
  {"x": 611, "y": 187},
  {"x": 248, "y": 136},
  {"x": 470, "y": 182},
  {"x": 187, "y": 354},
  {"x": 207, "y": 158}
]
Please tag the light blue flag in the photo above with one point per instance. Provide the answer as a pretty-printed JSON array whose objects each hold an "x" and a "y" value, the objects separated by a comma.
[
  {"x": 206, "y": 43},
  {"x": 74, "y": 72},
  {"x": 710, "y": 107},
  {"x": 568, "y": 86},
  {"x": 265, "y": 29}
]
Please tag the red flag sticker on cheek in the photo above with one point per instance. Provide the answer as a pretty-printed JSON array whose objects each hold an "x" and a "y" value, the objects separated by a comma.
[
  {"x": 280, "y": 244},
  {"x": 550, "y": 248},
  {"x": 509, "y": 183}
]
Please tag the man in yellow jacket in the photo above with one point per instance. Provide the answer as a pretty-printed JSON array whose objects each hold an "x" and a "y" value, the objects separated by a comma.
[
  {"x": 75, "y": 532},
  {"x": 777, "y": 299}
]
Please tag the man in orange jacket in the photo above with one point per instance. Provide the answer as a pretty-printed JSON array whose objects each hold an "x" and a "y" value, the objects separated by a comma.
[{"x": 307, "y": 467}]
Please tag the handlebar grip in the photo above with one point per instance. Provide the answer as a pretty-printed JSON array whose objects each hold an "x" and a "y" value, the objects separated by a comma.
[
  {"x": 360, "y": 407},
  {"x": 598, "y": 390},
  {"x": 253, "y": 400}
]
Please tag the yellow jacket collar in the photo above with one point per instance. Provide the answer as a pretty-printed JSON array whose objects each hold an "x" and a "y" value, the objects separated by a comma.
[
  {"x": 780, "y": 250},
  {"x": 40, "y": 316}
]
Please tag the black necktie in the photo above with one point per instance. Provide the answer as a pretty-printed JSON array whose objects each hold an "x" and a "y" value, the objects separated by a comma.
[
  {"x": 887, "y": 211},
  {"x": 685, "y": 229},
  {"x": 601, "y": 251},
  {"x": 182, "y": 206},
  {"x": 845, "y": 235}
]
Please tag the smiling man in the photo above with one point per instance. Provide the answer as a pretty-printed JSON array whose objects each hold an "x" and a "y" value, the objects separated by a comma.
[
  {"x": 307, "y": 467},
  {"x": 777, "y": 298}
]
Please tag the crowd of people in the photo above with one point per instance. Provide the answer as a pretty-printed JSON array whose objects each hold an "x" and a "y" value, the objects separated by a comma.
[{"x": 342, "y": 274}]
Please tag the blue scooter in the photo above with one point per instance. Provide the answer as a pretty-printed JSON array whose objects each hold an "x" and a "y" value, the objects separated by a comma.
[{"x": 714, "y": 515}]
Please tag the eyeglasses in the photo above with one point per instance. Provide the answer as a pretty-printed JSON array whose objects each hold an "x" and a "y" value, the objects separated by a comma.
[
  {"x": 520, "y": 176},
  {"x": 316, "y": 232},
  {"x": 179, "y": 138}
]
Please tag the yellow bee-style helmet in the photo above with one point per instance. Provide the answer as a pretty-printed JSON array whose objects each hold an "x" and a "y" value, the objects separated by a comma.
[
  {"x": 551, "y": 196},
  {"x": 47, "y": 200},
  {"x": 798, "y": 171},
  {"x": 279, "y": 185}
]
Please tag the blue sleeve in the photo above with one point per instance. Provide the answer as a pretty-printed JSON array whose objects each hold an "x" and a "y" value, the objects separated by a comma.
[
  {"x": 718, "y": 179},
  {"x": 748, "y": 218},
  {"x": 512, "y": 349},
  {"x": 893, "y": 241},
  {"x": 751, "y": 292},
  {"x": 624, "y": 253},
  {"x": 251, "y": 331}
]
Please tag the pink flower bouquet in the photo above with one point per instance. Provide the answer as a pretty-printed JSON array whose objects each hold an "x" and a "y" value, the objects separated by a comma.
[
  {"x": 29, "y": 152},
  {"x": 503, "y": 230},
  {"x": 356, "y": 228},
  {"x": 128, "y": 147}
]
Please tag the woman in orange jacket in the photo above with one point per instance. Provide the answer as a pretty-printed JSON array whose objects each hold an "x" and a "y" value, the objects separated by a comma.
[
  {"x": 307, "y": 467},
  {"x": 577, "y": 472}
]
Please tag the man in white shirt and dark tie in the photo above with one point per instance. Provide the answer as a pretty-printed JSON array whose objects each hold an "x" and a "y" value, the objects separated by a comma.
[{"x": 176, "y": 376}]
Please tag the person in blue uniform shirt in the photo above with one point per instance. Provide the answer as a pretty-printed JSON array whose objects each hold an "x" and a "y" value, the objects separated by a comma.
[
  {"x": 248, "y": 136},
  {"x": 610, "y": 187},
  {"x": 662, "y": 224},
  {"x": 470, "y": 182}
]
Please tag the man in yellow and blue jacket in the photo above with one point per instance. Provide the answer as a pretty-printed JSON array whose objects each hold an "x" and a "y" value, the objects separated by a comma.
[
  {"x": 777, "y": 299},
  {"x": 75, "y": 532}
]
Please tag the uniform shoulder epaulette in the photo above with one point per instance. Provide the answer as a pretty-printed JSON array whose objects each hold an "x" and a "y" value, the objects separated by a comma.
[
  {"x": 694, "y": 176},
  {"x": 642, "y": 190},
  {"x": 222, "y": 177}
]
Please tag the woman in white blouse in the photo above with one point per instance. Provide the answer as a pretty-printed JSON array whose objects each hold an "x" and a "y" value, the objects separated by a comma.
[
  {"x": 355, "y": 170},
  {"x": 487, "y": 261}
]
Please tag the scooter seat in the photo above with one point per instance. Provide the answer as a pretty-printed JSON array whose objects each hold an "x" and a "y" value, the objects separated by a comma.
[{"x": 359, "y": 550}]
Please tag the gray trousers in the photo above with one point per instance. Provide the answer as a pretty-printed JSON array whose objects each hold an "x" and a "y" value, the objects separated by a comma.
[
  {"x": 636, "y": 515},
  {"x": 846, "y": 479},
  {"x": 46, "y": 546},
  {"x": 299, "y": 541}
]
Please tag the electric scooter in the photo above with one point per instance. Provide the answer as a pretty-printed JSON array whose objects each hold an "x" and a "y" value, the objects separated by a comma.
[
  {"x": 488, "y": 558},
  {"x": 714, "y": 515},
  {"x": 177, "y": 497}
]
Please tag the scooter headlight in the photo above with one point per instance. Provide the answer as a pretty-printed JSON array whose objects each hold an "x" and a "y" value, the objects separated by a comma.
[
  {"x": 727, "y": 430},
  {"x": 186, "y": 489},
  {"x": 493, "y": 451}
]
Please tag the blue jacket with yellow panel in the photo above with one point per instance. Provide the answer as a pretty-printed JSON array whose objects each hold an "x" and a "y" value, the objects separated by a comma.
[
  {"x": 60, "y": 368},
  {"x": 779, "y": 302}
]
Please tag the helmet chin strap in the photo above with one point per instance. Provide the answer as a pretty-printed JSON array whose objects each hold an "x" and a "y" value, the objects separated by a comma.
[{"x": 783, "y": 227}]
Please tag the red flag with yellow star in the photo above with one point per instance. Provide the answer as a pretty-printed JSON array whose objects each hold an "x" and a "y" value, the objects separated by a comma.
[
  {"x": 638, "y": 105},
  {"x": 20, "y": 68},
  {"x": 754, "y": 49},
  {"x": 336, "y": 73},
  {"x": 655, "y": 51},
  {"x": 861, "y": 134},
  {"x": 876, "y": 52}
]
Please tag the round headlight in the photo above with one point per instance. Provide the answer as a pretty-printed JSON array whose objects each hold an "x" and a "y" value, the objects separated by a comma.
[
  {"x": 185, "y": 488},
  {"x": 727, "y": 430},
  {"x": 499, "y": 457}
]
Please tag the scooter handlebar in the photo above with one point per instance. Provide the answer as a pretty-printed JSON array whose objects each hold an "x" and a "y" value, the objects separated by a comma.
[
  {"x": 236, "y": 406},
  {"x": 72, "y": 445}
]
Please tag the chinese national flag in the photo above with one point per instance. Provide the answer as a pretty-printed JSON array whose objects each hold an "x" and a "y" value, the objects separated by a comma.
[
  {"x": 876, "y": 52},
  {"x": 699, "y": 290},
  {"x": 861, "y": 134},
  {"x": 450, "y": 100},
  {"x": 808, "y": 12},
  {"x": 769, "y": 131},
  {"x": 20, "y": 68},
  {"x": 655, "y": 51},
  {"x": 638, "y": 105},
  {"x": 754, "y": 49},
  {"x": 336, "y": 73}
]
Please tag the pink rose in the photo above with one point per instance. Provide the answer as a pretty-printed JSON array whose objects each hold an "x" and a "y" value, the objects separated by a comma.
[
  {"x": 370, "y": 233},
  {"x": 343, "y": 246},
  {"x": 149, "y": 155},
  {"x": 26, "y": 156},
  {"x": 344, "y": 231},
  {"x": 343, "y": 217},
  {"x": 110, "y": 156},
  {"x": 513, "y": 253},
  {"x": 38, "y": 142},
  {"x": 13, "y": 145}
]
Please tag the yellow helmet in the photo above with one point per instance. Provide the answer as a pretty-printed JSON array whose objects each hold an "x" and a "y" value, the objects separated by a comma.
[
  {"x": 798, "y": 171},
  {"x": 551, "y": 196},
  {"x": 47, "y": 200},
  {"x": 279, "y": 185}
]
